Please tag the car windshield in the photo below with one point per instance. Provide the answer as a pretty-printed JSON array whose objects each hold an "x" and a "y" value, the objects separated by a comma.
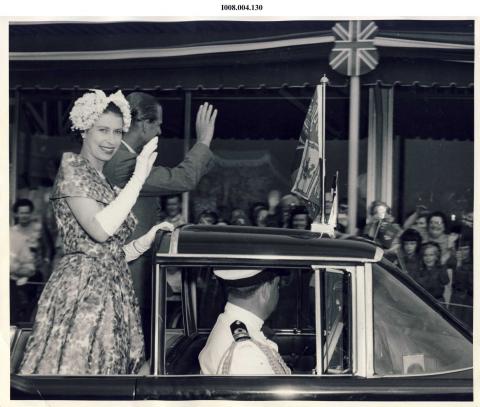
[{"x": 410, "y": 337}]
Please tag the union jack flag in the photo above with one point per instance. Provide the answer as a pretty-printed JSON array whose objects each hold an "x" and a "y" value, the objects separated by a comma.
[{"x": 354, "y": 53}]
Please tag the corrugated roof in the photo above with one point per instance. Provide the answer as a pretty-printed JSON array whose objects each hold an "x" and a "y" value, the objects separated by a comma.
[{"x": 261, "y": 87}]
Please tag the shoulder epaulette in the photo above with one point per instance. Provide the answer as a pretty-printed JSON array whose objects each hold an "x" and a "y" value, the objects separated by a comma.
[{"x": 239, "y": 331}]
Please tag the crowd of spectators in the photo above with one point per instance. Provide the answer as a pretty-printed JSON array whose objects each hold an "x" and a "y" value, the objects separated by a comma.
[
  {"x": 437, "y": 254},
  {"x": 433, "y": 250}
]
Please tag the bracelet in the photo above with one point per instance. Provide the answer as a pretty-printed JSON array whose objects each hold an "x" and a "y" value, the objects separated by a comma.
[{"x": 135, "y": 247}]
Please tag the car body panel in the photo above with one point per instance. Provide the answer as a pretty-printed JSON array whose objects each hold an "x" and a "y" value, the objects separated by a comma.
[
  {"x": 451, "y": 388},
  {"x": 446, "y": 387},
  {"x": 262, "y": 247}
]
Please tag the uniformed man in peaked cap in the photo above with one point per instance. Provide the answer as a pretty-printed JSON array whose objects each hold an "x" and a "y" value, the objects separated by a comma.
[{"x": 236, "y": 344}]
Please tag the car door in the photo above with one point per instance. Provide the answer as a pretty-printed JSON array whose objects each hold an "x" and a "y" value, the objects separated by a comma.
[{"x": 349, "y": 333}]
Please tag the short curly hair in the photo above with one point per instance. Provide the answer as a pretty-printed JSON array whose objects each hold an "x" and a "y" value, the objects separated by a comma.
[
  {"x": 23, "y": 202},
  {"x": 441, "y": 215},
  {"x": 376, "y": 204},
  {"x": 427, "y": 245}
]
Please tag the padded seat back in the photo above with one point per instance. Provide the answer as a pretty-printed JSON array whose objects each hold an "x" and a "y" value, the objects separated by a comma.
[{"x": 185, "y": 360}]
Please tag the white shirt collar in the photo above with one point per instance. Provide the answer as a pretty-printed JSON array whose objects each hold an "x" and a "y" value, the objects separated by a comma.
[
  {"x": 128, "y": 147},
  {"x": 248, "y": 318}
]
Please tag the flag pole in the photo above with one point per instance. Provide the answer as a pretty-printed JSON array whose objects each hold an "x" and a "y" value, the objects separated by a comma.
[
  {"x": 353, "y": 146},
  {"x": 323, "y": 82}
]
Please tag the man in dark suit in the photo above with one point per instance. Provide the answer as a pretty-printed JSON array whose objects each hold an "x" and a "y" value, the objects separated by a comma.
[{"x": 146, "y": 124}]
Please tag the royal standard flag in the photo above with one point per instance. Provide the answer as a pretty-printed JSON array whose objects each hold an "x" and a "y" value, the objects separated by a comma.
[{"x": 309, "y": 170}]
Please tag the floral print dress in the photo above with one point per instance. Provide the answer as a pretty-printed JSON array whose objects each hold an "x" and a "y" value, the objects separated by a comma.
[{"x": 88, "y": 320}]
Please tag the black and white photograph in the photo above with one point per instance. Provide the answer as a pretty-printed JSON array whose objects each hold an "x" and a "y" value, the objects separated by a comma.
[{"x": 275, "y": 209}]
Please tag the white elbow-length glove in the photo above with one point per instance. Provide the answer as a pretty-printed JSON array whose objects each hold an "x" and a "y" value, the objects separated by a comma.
[
  {"x": 137, "y": 247},
  {"x": 112, "y": 216}
]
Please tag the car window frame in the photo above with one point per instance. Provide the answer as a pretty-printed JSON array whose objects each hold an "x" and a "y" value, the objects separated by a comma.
[
  {"x": 321, "y": 339},
  {"x": 158, "y": 361}
]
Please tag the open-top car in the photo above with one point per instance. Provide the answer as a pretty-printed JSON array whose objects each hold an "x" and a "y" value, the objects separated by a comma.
[{"x": 349, "y": 324}]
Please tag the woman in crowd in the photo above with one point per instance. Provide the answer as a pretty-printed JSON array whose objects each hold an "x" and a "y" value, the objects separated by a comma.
[
  {"x": 437, "y": 228},
  {"x": 300, "y": 219},
  {"x": 420, "y": 225},
  {"x": 87, "y": 320},
  {"x": 431, "y": 275}
]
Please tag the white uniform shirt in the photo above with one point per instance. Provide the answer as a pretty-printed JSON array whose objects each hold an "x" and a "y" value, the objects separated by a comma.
[{"x": 247, "y": 357}]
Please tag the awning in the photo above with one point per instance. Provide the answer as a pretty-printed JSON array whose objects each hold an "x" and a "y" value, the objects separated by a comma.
[
  {"x": 228, "y": 53},
  {"x": 422, "y": 110}
]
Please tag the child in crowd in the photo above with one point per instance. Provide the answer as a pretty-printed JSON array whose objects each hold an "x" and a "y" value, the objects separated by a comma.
[
  {"x": 431, "y": 275},
  {"x": 408, "y": 253}
]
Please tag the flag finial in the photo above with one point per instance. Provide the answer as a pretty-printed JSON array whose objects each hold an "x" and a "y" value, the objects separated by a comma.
[{"x": 324, "y": 79}]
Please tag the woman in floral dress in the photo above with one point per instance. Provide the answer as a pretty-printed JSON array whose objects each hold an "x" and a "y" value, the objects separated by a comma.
[{"x": 88, "y": 320}]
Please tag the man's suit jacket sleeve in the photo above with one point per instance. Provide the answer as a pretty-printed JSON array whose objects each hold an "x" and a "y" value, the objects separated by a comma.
[{"x": 163, "y": 180}]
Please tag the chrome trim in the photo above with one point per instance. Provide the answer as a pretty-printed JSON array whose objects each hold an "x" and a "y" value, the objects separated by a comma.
[
  {"x": 262, "y": 256},
  {"x": 351, "y": 270},
  {"x": 322, "y": 356},
  {"x": 262, "y": 376},
  {"x": 369, "y": 319},
  {"x": 258, "y": 376},
  {"x": 353, "y": 316},
  {"x": 174, "y": 242},
  {"x": 378, "y": 254},
  {"x": 336, "y": 269},
  {"x": 156, "y": 310},
  {"x": 13, "y": 336},
  {"x": 376, "y": 376},
  {"x": 331, "y": 269},
  {"x": 319, "y": 367},
  {"x": 193, "y": 290},
  {"x": 360, "y": 316}
]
